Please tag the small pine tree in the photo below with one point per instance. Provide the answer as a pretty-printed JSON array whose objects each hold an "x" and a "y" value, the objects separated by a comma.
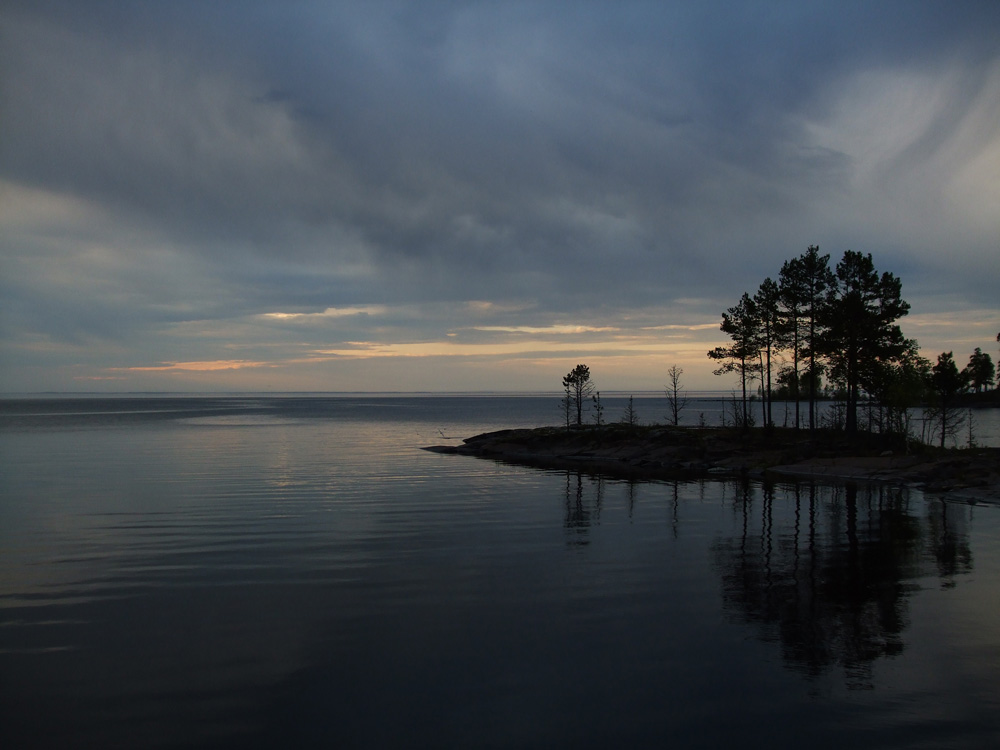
[
  {"x": 676, "y": 400},
  {"x": 598, "y": 409},
  {"x": 631, "y": 417},
  {"x": 566, "y": 407}
]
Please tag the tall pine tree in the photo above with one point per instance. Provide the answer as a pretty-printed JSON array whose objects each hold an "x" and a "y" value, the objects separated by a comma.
[
  {"x": 803, "y": 285},
  {"x": 767, "y": 300},
  {"x": 861, "y": 334}
]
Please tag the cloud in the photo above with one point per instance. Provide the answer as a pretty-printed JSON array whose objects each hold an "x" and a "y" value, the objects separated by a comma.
[
  {"x": 553, "y": 329},
  {"x": 176, "y": 177},
  {"x": 200, "y": 366},
  {"x": 330, "y": 312}
]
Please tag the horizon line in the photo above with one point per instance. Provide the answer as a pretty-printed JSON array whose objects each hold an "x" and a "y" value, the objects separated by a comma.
[{"x": 540, "y": 393}]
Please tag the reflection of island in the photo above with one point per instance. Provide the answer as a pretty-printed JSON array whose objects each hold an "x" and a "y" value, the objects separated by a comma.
[{"x": 831, "y": 586}]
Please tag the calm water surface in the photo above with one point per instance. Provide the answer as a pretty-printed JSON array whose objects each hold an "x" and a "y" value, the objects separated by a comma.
[{"x": 180, "y": 572}]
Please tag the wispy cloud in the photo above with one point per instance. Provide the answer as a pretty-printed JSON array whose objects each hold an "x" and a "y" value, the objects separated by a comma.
[
  {"x": 222, "y": 364},
  {"x": 520, "y": 348},
  {"x": 679, "y": 327},
  {"x": 559, "y": 330},
  {"x": 330, "y": 312}
]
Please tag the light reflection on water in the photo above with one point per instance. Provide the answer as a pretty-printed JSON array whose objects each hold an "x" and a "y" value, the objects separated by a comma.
[{"x": 304, "y": 575}]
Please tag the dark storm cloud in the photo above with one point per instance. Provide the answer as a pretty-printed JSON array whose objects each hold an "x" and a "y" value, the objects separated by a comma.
[{"x": 269, "y": 156}]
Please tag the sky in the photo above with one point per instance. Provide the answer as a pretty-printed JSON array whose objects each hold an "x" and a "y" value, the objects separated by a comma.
[{"x": 474, "y": 196}]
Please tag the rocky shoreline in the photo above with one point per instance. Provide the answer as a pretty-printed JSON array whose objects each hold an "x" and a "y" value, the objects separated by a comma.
[{"x": 657, "y": 452}]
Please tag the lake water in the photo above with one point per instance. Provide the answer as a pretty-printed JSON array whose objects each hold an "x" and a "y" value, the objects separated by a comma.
[{"x": 262, "y": 572}]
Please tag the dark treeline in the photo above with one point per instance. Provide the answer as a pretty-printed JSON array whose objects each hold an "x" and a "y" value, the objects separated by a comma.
[
  {"x": 816, "y": 322},
  {"x": 840, "y": 323}
]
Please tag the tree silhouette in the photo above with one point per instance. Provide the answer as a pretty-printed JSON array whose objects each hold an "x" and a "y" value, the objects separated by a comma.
[
  {"x": 899, "y": 386},
  {"x": 803, "y": 284},
  {"x": 676, "y": 400},
  {"x": 767, "y": 300},
  {"x": 742, "y": 324},
  {"x": 566, "y": 405},
  {"x": 598, "y": 409},
  {"x": 842, "y": 322},
  {"x": 630, "y": 417},
  {"x": 578, "y": 388},
  {"x": 946, "y": 382},
  {"x": 861, "y": 334},
  {"x": 980, "y": 371}
]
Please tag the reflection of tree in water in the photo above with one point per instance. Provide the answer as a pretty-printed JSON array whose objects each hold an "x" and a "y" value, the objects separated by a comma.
[
  {"x": 948, "y": 543},
  {"x": 580, "y": 514},
  {"x": 830, "y": 583},
  {"x": 585, "y": 499}
]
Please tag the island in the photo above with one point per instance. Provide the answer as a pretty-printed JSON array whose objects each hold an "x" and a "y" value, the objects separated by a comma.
[{"x": 671, "y": 453}]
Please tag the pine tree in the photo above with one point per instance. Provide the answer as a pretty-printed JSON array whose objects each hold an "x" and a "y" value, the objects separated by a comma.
[
  {"x": 803, "y": 285},
  {"x": 742, "y": 324},
  {"x": 566, "y": 405},
  {"x": 860, "y": 331},
  {"x": 946, "y": 382},
  {"x": 980, "y": 371},
  {"x": 598, "y": 409},
  {"x": 578, "y": 388},
  {"x": 630, "y": 418},
  {"x": 896, "y": 387},
  {"x": 767, "y": 300}
]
